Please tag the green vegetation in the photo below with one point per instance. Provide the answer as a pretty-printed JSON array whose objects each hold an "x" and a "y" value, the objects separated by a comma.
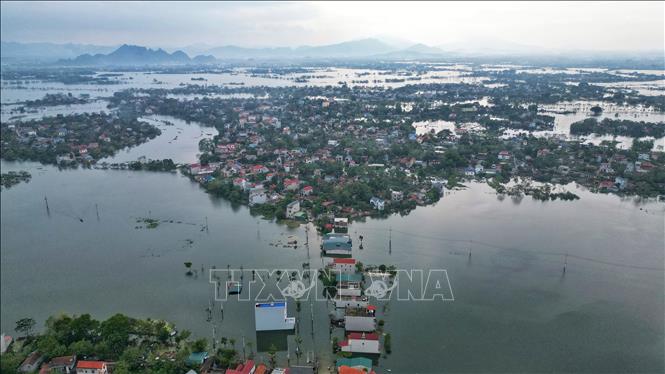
[
  {"x": 618, "y": 127},
  {"x": 150, "y": 223},
  {"x": 72, "y": 139},
  {"x": 13, "y": 178},
  {"x": 137, "y": 346},
  {"x": 153, "y": 165},
  {"x": 387, "y": 343}
]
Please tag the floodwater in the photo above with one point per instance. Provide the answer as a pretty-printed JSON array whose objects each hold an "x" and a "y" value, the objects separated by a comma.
[
  {"x": 178, "y": 141},
  {"x": 513, "y": 308}
]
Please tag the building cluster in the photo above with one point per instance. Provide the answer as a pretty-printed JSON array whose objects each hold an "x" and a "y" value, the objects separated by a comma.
[{"x": 74, "y": 138}]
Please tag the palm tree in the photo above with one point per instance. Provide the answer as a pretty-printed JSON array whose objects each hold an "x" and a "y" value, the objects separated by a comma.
[
  {"x": 224, "y": 340},
  {"x": 250, "y": 347},
  {"x": 272, "y": 356}
]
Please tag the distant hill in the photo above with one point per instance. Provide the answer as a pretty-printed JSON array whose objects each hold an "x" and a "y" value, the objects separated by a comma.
[
  {"x": 47, "y": 52},
  {"x": 350, "y": 49},
  {"x": 136, "y": 55}
]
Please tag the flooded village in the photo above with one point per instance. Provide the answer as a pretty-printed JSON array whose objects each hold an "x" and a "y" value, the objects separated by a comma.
[{"x": 322, "y": 183}]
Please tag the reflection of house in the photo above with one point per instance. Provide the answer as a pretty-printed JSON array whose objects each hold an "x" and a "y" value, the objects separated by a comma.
[
  {"x": 396, "y": 195},
  {"x": 336, "y": 243},
  {"x": 377, "y": 203},
  {"x": 272, "y": 316},
  {"x": 361, "y": 343},
  {"x": 292, "y": 209},
  {"x": 257, "y": 196}
]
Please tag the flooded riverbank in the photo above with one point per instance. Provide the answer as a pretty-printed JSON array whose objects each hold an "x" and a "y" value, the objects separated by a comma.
[{"x": 512, "y": 304}]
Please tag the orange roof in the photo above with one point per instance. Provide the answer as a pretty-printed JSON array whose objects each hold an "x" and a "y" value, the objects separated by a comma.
[
  {"x": 261, "y": 369},
  {"x": 344, "y": 261},
  {"x": 90, "y": 365},
  {"x": 349, "y": 370}
]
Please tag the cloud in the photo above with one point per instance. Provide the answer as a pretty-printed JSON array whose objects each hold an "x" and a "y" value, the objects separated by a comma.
[{"x": 549, "y": 25}]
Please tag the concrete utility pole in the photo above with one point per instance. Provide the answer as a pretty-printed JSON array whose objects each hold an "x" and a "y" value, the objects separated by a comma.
[
  {"x": 390, "y": 240},
  {"x": 48, "y": 211}
]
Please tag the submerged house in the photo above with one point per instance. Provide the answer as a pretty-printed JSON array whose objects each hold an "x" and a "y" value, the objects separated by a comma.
[
  {"x": 360, "y": 319},
  {"x": 364, "y": 365},
  {"x": 292, "y": 209},
  {"x": 273, "y": 317},
  {"x": 344, "y": 265},
  {"x": 351, "y": 301},
  {"x": 357, "y": 342},
  {"x": 337, "y": 243}
]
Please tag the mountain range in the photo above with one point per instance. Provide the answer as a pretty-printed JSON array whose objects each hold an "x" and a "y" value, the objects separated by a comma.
[
  {"x": 368, "y": 49},
  {"x": 136, "y": 55}
]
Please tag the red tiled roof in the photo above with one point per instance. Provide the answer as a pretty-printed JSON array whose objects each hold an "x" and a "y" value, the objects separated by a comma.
[
  {"x": 344, "y": 261},
  {"x": 245, "y": 368},
  {"x": 359, "y": 336},
  {"x": 90, "y": 365},
  {"x": 61, "y": 361},
  {"x": 349, "y": 370}
]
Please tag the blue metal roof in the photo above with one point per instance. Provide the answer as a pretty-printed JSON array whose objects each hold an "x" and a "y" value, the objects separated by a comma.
[
  {"x": 336, "y": 241},
  {"x": 348, "y": 277},
  {"x": 271, "y": 305}
]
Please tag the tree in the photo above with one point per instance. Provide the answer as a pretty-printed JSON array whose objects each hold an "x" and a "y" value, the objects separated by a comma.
[
  {"x": 133, "y": 358},
  {"x": 183, "y": 335},
  {"x": 199, "y": 345},
  {"x": 51, "y": 347},
  {"x": 272, "y": 355},
  {"x": 359, "y": 267},
  {"x": 82, "y": 348},
  {"x": 596, "y": 110},
  {"x": 25, "y": 326},
  {"x": 115, "y": 332}
]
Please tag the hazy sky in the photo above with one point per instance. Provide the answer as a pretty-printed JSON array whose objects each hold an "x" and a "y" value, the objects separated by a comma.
[{"x": 555, "y": 26}]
